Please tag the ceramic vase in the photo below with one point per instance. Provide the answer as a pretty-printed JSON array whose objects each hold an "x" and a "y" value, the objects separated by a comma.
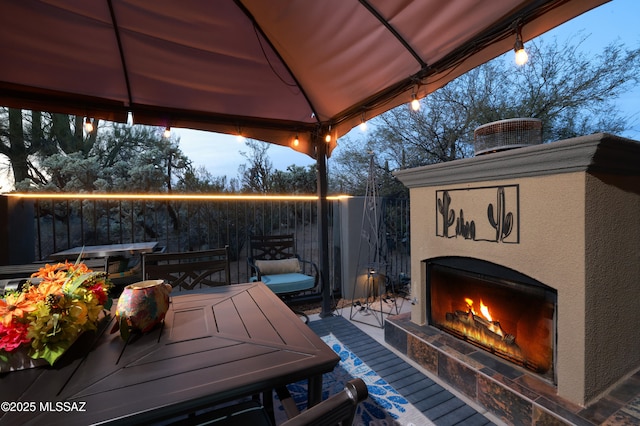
[{"x": 143, "y": 305}]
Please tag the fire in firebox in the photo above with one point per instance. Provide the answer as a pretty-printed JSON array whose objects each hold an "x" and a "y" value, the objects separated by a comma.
[
  {"x": 482, "y": 330},
  {"x": 506, "y": 314}
]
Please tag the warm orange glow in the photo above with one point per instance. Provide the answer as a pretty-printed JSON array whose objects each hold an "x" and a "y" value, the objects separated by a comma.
[
  {"x": 485, "y": 311},
  {"x": 523, "y": 338},
  {"x": 175, "y": 197},
  {"x": 88, "y": 125}
]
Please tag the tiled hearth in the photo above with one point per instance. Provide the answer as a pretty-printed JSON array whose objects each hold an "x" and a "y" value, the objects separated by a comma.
[{"x": 512, "y": 394}]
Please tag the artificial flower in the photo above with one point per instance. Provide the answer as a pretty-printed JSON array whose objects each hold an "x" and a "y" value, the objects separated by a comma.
[
  {"x": 61, "y": 302},
  {"x": 13, "y": 336},
  {"x": 14, "y": 305}
]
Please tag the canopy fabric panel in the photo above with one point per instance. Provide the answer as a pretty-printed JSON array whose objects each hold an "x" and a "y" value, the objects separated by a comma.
[{"x": 269, "y": 70}]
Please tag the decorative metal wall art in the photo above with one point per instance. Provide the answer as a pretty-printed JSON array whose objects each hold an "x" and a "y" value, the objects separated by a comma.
[{"x": 480, "y": 214}]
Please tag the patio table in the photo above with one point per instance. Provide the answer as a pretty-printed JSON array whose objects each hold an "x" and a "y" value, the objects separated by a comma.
[
  {"x": 120, "y": 253},
  {"x": 215, "y": 346},
  {"x": 106, "y": 250}
]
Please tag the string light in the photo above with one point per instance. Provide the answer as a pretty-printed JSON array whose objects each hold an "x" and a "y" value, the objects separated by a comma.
[
  {"x": 363, "y": 124},
  {"x": 415, "y": 103},
  {"x": 327, "y": 138},
  {"x": 296, "y": 141},
  {"x": 521, "y": 55},
  {"x": 169, "y": 197},
  {"x": 88, "y": 125},
  {"x": 167, "y": 132},
  {"x": 239, "y": 137}
]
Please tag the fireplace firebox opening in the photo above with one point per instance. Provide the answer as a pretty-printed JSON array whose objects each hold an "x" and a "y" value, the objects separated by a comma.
[{"x": 495, "y": 308}]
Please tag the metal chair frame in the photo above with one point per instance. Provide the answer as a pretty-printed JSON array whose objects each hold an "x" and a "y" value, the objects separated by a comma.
[{"x": 186, "y": 270}]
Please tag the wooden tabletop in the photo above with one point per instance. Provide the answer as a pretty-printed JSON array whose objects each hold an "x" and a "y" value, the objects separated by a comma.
[
  {"x": 106, "y": 250},
  {"x": 229, "y": 342}
]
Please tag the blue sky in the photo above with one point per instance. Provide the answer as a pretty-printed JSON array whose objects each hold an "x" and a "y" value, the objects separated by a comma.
[{"x": 617, "y": 19}]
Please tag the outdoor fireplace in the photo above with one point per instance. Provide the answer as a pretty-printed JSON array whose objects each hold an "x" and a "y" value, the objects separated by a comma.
[
  {"x": 497, "y": 309},
  {"x": 546, "y": 237}
]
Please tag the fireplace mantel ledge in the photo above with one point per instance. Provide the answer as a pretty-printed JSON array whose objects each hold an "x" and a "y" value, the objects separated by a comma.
[{"x": 596, "y": 153}]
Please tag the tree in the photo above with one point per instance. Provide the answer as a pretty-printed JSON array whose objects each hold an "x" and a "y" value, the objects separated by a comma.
[
  {"x": 295, "y": 180},
  {"x": 22, "y": 136},
  {"x": 200, "y": 180},
  {"x": 255, "y": 176},
  {"x": 351, "y": 172},
  {"x": 571, "y": 90},
  {"x": 53, "y": 152},
  {"x": 121, "y": 158},
  {"x": 259, "y": 176}
]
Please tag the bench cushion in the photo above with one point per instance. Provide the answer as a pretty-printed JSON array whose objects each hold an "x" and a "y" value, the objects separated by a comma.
[{"x": 287, "y": 283}]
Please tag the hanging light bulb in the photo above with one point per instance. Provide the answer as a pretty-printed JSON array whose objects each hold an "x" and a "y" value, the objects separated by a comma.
[
  {"x": 415, "y": 103},
  {"x": 327, "y": 137},
  {"x": 167, "y": 132},
  {"x": 521, "y": 55},
  {"x": 88, "y": 125},
  {"x": 296, "y": 141},
  {"x": 239, "y": 136},
  {"x": 363, "y": 124}
]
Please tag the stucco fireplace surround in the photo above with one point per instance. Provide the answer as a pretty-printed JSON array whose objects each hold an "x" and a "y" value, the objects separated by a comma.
[{"x": 565, "y": 218}]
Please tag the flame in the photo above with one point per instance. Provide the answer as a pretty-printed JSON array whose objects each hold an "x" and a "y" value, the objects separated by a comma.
[
  {"x": 481, "y": 329},
  {"x": 485, "y": 311}
]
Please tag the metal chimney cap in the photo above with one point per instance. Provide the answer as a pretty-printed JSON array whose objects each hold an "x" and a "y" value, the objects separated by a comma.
[{"x": 507, "y": 134}]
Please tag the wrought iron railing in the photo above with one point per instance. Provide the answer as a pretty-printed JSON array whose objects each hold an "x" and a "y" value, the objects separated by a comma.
[{"x": 182, "y": 223}]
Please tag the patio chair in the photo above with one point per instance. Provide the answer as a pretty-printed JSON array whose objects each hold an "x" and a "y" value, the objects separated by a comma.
[
  {"x": 274, "y": 261},
  {"x": 123, "y": 271},
  {"x": 186, "y": 270},
  {"x": 337, "y": 410}
]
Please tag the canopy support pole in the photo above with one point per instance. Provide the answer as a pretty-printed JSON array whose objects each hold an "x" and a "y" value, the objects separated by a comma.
[{"x": 323, "y": 225}]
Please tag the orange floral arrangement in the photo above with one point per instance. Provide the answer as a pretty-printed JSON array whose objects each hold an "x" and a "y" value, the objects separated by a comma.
[{"x": 46, "y": 318}]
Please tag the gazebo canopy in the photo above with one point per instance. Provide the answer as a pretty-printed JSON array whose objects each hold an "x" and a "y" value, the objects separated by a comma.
[{"x": 269, "y": 70}]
